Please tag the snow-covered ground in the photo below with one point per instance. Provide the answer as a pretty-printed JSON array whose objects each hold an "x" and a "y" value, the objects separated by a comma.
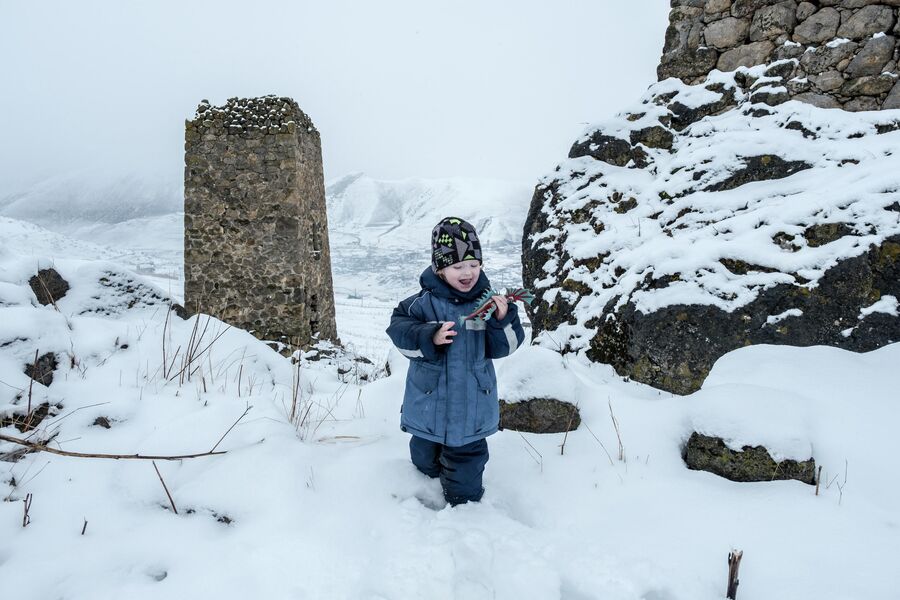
[{"x": 328, "y": 506}]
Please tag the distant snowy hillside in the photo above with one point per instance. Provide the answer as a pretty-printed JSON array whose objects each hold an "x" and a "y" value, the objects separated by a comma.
[
  {"x": 401, "y": 213},
  {"x": 70, "y": 200},
  {"x": 380, "y": 231}
]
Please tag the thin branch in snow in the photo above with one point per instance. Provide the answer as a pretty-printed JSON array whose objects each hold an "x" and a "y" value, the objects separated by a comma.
[{"x": 162, "y": 481}]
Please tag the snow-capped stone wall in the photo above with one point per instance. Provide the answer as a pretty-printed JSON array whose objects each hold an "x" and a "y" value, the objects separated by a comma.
[
  {"x": 256, "y": 249},
  {"x": 703, "y": 220},
  {"x": 842, "y": 53}
]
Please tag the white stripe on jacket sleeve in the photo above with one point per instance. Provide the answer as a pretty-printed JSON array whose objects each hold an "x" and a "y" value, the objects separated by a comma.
[{"x": 511, "y": 338}]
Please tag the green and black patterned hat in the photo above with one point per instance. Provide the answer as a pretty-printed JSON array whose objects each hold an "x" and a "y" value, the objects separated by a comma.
[{"x": 453, "y": 240}]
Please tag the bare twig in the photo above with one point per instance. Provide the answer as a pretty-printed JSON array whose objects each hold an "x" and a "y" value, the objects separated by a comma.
[
  {"x": 840, "y": 486},
  {"x": 162, "y": 481},
  {"x": 818, "y": 479},
  {"x": 45, "y": 448},
  {"x": 30, "y": 385},
  {"x": 246, "y": 410},
  {"x": 83, "y": 529},
  {"x": 26, "y": 518}
]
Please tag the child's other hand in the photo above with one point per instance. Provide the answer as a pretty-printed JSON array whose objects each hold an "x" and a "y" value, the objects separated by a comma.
[
  {"x": 502, "y": 304},
  {"x": 444, "y": 335}
]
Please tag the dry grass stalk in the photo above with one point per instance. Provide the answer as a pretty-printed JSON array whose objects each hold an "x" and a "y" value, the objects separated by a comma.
[
  {"x": 162, "y": 481},
  {"x": 618, "y": 432},
  {"x": 539, "y": 459},
  {"x": 608, "y": 455},
  {"x": 562, "y": 447},
  {"x": 30, "y": 386}
]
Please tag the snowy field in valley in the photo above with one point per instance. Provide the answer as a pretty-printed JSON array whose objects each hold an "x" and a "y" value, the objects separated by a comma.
[{"x": 315, "y": 496}]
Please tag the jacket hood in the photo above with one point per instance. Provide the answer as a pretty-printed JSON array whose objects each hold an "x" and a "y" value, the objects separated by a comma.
[{"x": 429, "y": 280}]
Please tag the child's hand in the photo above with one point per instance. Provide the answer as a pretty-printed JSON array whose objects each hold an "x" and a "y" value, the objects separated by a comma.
[
  {"x": 444, "y": 335},
  {"x": 502, "y": 304}
]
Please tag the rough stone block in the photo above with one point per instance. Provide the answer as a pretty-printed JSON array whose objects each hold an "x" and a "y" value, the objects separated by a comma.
[
  {"x": 820, "y": 27},
  {"x": 873, "y": 57},
  {"x": 867, "y": 21},
  {"x": 893, "y": 98},
  {"x": 755, "y": 53},
  {"x": 804, "y": 10},
  {"x": 861, "y": 103},
  {"x": 771, "y": 21},
  {"x": 827, "y": 81},
  {"x": 726, "y": 33},
  {"x": 868, "y": 85},
  {"x": 819, "y": 100},
  {"x": 717, "y": 6},
  {"x": 827, "y": 57},
  {"x": 687, "y": 63},
  {"x": 744, "y": 8}
]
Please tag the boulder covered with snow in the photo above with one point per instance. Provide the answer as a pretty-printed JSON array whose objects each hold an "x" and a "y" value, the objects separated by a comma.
[
  {"x": 539, "y": 415},
  {"x": 732, "y": 223},
  {"x": 750, "y": 463}
]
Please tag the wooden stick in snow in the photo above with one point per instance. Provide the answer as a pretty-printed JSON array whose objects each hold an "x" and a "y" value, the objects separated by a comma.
[
  {"x": 734, "y": 563},
  {"x": 162, "y": 481},
  {"x": 45, "y": 448}
]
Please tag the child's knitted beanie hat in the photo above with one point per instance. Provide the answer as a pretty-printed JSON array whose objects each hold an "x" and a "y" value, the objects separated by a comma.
[{"x": 453, "y": 240}]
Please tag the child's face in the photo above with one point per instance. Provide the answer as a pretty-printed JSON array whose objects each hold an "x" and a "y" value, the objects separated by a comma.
[{"x": 462, "y": 276}]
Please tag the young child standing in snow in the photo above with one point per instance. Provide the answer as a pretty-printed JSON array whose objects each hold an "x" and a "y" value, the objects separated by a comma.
[{"x": 450, "y": 405}]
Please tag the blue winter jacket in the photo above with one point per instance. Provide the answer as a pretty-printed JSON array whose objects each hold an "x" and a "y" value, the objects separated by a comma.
[{"x": 451, "y": 390}]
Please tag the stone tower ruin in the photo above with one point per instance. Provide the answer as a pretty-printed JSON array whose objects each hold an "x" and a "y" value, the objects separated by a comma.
[{"x": 256, "y": 249}]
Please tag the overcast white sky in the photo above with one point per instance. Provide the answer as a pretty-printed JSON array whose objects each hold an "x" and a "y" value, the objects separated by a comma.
[{"x": 397, "y": 88}]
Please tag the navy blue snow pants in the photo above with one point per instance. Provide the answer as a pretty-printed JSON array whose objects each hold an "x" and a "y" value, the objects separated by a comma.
[{"x": 460, "y": 468}]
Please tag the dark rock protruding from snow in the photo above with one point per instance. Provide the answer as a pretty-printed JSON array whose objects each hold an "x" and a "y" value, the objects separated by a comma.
[
  {"x": 750, "y": 224},
  {"x": 539, "y": 415},
  {"x": 751, "y": 463},
  {"x": 42, "y": 370},
  {"x": 48, "y": 286}
]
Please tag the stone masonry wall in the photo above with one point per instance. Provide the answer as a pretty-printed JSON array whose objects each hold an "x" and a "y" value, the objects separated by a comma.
[
  {"x": 256, "y": 248},
  {"x": 834, "y": 53}
]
